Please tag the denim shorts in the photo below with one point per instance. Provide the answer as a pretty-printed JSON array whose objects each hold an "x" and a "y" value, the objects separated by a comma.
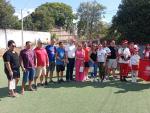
[{"x": 28, "y": 75}]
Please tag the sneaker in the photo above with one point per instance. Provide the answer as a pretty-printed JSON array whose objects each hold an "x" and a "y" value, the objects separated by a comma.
[
  {"x": 61, "y": 80},
  {"x": 31, "y": 89},
  {"x": 107, "y": 77},
  {"x": 72, "y": 80},
  {"x": 58, "y": 81},
  {"x": 41, "y": 84},
  {"x": 46, "y": 83},
  {"x": 35, "y": 87},
  {"x": 51, "y": 81},
  {"x": 125, "y": 80},
  {"x": 67, "y": 80},
  {"x": 98, "y": 80}
]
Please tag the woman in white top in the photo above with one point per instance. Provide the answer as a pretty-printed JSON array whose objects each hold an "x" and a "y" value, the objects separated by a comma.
[{"x": 101, "y": 58}]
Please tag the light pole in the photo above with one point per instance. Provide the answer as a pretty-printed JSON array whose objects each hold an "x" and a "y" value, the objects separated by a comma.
[{"x": 22, "y": 29}]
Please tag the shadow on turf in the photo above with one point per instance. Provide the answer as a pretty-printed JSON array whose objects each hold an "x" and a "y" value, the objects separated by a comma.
[
  {"x": 123, "y": 86},
  {"x": 4, "y": 92}
]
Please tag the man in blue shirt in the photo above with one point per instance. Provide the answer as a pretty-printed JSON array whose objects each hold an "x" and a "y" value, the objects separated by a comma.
[
  {"x": 51, "y": 51},
  {"x": 60, "y": 62}
]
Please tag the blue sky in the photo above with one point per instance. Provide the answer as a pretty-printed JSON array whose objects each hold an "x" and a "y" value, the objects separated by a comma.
[{"x": 30, "y": 5}]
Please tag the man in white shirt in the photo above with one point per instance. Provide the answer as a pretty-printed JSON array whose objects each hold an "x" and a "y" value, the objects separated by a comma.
[
  {"x": 70, "y": 59},
  {"x": 124, "y": 57}
]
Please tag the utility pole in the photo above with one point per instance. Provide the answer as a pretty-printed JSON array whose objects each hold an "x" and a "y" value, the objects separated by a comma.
[{"x": 22, "y": 29}]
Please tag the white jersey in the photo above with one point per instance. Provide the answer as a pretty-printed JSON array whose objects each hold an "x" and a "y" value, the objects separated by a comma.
[
  {"x": 107, "y": 50},
  {"x": 101, "y": 55},
  {"x": 125, "y": 52},
  {"x": 70, "y": 49},
  {"x": 134, "y": 60}
]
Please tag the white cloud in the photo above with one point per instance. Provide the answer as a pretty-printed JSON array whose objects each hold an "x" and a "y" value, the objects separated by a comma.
[{"x": 25, "y": 12}]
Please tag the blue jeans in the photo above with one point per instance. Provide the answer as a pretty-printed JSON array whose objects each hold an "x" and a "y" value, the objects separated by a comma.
[
  {"x": 94, "y": 71},
  {"x": 28, "y": 75}
]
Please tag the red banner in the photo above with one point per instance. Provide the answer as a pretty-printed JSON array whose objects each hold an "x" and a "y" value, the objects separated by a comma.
[{"x": 144, "y": 69}]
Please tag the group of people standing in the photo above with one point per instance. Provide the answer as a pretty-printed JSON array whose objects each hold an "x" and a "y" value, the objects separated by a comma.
[{"x": 40, "y": 62}]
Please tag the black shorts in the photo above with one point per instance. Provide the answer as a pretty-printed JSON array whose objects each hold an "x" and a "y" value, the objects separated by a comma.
[
  {"x": 86, "y": 64},
  {"x": 60, "y": 68},
  {"x": 16, "y": 74},
  {"x": 51, "y": 67}
]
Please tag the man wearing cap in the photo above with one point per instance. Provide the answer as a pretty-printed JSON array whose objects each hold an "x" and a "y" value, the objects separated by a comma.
[
  {"x": 42, "y": 62},
  {"x": 124, "y": 56},
  {"x": 70, "y": 59}
]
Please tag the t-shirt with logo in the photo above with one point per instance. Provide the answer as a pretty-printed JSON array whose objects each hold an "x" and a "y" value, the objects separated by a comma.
[
  {"x": 61, "y": 55},
  {"x": 101, "y": 55},
  {"x": 51, "y": 51}
]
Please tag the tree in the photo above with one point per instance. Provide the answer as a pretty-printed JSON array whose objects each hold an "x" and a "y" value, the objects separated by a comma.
[
  {"x": 132, "y": 21},
  {"x": 7, "y": 18},
  {"x": 50, "y": 15},
  {"x": 89, "y": 14}
]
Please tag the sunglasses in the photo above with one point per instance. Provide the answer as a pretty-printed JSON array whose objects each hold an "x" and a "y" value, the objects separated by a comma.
[{"x": 13, "y": 45}]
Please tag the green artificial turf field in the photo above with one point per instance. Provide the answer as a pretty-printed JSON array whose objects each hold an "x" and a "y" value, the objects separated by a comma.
[{"x": 109, "y": 97}]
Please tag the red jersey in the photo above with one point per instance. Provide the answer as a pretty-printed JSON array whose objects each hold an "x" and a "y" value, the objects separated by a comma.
[
  {"x": 87, "y": 51},
  {"x": 42, "y": 57}
]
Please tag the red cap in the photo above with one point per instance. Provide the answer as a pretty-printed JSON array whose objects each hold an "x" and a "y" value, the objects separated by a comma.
[{"x": 125, "y": 42}]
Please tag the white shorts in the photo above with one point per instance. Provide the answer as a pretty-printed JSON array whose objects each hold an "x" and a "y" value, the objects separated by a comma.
[
  {"x": 112, "y": 63},
  {"x": 40, "y": 71}
]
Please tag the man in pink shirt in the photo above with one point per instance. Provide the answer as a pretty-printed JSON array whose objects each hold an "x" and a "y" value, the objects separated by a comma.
[{"x": 42, "y": 62}]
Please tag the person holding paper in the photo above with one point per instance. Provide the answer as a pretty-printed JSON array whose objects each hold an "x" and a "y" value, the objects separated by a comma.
[
  {"x": 79, "y": 63},
  {"x": 11, "y": 67},
  {"x": 27, "y": 62}
]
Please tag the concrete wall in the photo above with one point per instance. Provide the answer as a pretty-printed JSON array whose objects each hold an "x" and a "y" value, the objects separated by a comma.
[{"x": 16, "y": 35}]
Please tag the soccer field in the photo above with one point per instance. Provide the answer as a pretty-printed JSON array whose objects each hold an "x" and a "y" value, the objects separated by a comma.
[{"x": 108, "y": 97}]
